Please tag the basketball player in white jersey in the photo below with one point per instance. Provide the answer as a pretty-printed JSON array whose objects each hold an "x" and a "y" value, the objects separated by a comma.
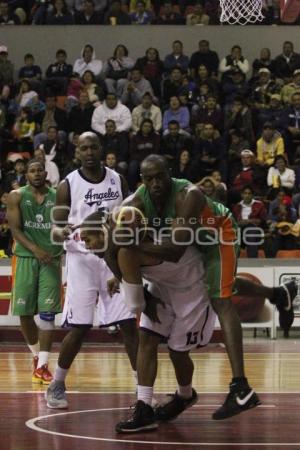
[
  {"x": 185, "y": 319},
  {"x": 84, "y": 191}
]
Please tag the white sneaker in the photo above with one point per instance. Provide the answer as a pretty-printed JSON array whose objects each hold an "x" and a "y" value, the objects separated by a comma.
[{"x": 56, "y": 395}]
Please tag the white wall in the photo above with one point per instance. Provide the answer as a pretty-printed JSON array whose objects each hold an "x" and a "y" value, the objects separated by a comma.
[{"x": 43, "y": 41}]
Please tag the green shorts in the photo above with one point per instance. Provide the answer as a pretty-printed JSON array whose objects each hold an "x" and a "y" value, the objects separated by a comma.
[
  {"x": 220, "y": 262},
  {"x": 36, "y": 286}
]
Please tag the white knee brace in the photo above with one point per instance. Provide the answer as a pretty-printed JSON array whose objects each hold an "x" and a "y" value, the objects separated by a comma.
[
  {"x": 133, "y": 296},
  {"x": 46, "y": 321}
]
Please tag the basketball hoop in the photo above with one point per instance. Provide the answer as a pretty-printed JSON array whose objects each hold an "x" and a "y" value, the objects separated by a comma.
[{"x": 241, "y": 12}]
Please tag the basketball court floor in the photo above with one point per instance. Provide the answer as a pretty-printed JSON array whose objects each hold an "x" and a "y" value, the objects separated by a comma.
[{"x": 101, "y": 389}]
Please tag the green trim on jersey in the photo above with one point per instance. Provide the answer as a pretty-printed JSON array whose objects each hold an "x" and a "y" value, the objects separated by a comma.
[
  {"x": 156, "y": 220},
  {"x": 36, "y": 222}
]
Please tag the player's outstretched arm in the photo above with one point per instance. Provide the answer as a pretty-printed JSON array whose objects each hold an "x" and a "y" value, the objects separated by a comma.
[{"x": 14, "y": 217}]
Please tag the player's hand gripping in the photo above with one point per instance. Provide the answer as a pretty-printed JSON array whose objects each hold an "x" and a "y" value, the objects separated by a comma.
[
  {"x": 68, "y": 230},
  {"x": 151, "y": 306},
  {"x": 113, "y": 286}
]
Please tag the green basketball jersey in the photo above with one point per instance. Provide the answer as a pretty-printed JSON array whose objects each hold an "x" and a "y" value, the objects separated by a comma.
[
  {"x": 154, "y": 219},
  {"x": 36, "y": 222}
]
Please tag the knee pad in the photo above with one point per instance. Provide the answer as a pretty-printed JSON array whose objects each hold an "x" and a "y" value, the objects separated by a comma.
[
  {"x": 46, "y": 321},
  {"x": 133, "y": 296}
]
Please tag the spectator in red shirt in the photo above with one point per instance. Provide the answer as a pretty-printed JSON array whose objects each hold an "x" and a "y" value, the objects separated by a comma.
[{"x": 251, "y": 216}]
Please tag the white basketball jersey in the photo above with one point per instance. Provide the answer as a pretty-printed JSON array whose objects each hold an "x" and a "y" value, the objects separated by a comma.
[
  {"x": 182, "y": 283},
  {"x": 88, "y": 197}
]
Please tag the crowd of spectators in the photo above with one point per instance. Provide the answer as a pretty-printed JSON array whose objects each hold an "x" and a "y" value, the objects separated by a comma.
[
  {"x": 122, "y": 12},
  {"x": 218, "y": 120}
]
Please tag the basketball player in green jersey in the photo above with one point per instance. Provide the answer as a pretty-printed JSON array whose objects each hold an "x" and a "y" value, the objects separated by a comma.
[
  {"x": 161, "y": 199},
  {"x": 36, "y": 265}
]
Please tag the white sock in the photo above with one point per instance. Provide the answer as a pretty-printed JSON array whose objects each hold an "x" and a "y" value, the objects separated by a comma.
[
  {"x": 145, "y": 393},
  {"x": 35, "y": 348},
  {"x": 43, "y": 358},
  {"x": 60, "y": 374},
  {"x": 185, "y": 391},
  {"x": 135, "y": 376}
]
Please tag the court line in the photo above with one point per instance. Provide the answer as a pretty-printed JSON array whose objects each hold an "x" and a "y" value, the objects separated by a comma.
[
  {"x": 31, "y": 423},
  {"x": 156, "y": 392}
]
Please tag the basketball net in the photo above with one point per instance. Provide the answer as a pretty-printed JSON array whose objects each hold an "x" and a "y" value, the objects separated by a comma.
[{"x": 241, "y": 12}]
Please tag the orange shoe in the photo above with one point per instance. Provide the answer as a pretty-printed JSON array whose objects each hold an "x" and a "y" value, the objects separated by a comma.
[{"x": 42, "y": 375}]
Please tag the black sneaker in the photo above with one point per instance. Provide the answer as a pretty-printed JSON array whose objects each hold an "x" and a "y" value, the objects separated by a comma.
[
  {"x": 142, "y": 420},
  {"x": 283, "y": 298},
  {"x": 236, "y": 402},
  {"x": 175, "y": 406}
]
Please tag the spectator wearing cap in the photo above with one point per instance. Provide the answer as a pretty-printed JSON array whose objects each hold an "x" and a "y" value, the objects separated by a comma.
[
  {"x": 250, "y": 174},
  {"x": 198, "y": 16},
  {"x": 263, "y": 62},
  {"x": 234, "y": 86},
  {"x": 177, "y": 58},
  {"x": 7, "y": 17},
  {"x": 263, "y": 89},
  {"x": 289, "y": 89},
  {"x": 141, "y": 16},
  {"x": 234, "y": 61},
  {"x": 6, "y": 68},
  {"x": 269, "y": 145},
  {"x": 146, "y": 110},
  {"x": 167, "y": 15},
  {"x": 271, "y": 114},
  {"x": 287, "y": 62},
  {"x": 135, "y": 88}
]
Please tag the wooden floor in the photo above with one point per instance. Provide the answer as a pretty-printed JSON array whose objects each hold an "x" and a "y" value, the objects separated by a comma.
[{"x": 101, "y": 388}]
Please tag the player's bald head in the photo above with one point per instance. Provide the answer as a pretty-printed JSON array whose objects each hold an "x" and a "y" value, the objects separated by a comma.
[
  {"x": 156, "y": 162},
  {"x": 156, "y": 176}
]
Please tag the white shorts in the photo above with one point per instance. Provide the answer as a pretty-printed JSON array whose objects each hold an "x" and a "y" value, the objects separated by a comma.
[
  {"x": 188, "y": 320},
  {"x": 87, "y": 275}
]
